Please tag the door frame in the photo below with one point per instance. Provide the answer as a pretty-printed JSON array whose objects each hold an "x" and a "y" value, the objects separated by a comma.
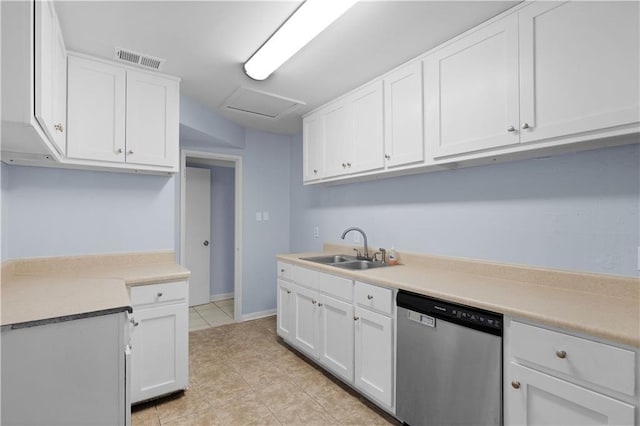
[{"x": 237, "y": 274}]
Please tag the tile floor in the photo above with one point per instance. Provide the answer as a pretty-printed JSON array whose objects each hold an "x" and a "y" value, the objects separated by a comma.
[
  {"x": 212, "y": 314},
  {"x": 243, "y": 374}
]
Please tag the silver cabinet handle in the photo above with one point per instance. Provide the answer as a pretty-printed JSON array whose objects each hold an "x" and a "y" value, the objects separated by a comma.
[
  {"x": 511, "y": 129},
  {"x": 348, "y": 164},
  {"x": 288, "y": 291},
  {"x": 159, "y": 294},
  {"x": 515, "y": 384},
  {"x": 525, "y": 126},
  {"x": 59, "y": 127},
  {"x": 319, "y": 304},
  {"x": 561, "y": 354},
  {"x": 206, "y": 243},
  {"x": 119, "y": 151},
  {"x": 356, "y": 318},
  {"x": 313, "y": 301},
  {"x": 130, "y": 151},
  {"x": 387, "y": 156},
  {"x": 282, "y": 270},
  {"x": 134, "y": 322},
  {"x": 344, "y": 165},
  {"x": 369, "y": 296},
  {"x": 315, "y": 171}
]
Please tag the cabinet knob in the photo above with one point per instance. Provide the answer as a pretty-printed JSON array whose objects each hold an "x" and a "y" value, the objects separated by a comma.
[
  {"x": 511, "y": 129},
  {"x": 356, "y": 318},
  {"x": 119, "y": 151},
  {"x": 344, "y": 165},
  {"x": 206, "y": 243},
  {"x": 282, "y": 270},
  {"x": 525, "y": 126},
  {"x": 348, "y": 164},
  {"x": 288, "y": 291},
  {"x": 515, "y": 384},
  {"x": 561, "y": 354},
  {"x": 134, "y": 322},
  {"x": 59, "y": 127},
  {"x": 387, "y": 156},
  {"x": 159, "y": 294},
  {"x": 369, "y": 296},
  {"x": 130, "y": 151},
  {"x": 313, "y": 301},
  {"x": 319, "y": 304},
  {"x": 315, "y": 171}
]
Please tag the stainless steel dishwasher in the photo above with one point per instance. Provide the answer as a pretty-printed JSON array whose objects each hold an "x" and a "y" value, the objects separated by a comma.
[{"x": 449, "y": 363}]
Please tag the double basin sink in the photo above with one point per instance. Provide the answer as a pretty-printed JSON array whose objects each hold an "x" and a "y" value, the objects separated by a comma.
[{"x": 345, "y": 262}]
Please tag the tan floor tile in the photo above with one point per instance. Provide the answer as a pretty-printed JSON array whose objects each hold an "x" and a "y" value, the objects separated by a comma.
[
  {"x": 181, "y": 405},
  {"x": 366, "y": 417},
  {"x": 306, "y": 412},
  {"x": 144, "y": 414},
  {"x": 200, "y": 418},
  {"x": 205, "y": 307},
  {"x": 244, "y": 411},
  {"x": 340, "y": 402},
  {"x": 217, "y": 322},
  {"x": 198, "y": 324}
]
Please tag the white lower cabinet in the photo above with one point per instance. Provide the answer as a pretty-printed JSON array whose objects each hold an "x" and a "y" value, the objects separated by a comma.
[
  {"x": 374, "y": 355},
  {"x": 555, "y": 378},
  {"x": 319, "y": 315},
  {"x": 159, "y": 340}
]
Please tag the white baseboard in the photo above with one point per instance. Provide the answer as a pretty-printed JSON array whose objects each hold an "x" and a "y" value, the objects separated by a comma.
[
  {"x": 222, "y": 296},
  {"x": 256, "y": 315}
]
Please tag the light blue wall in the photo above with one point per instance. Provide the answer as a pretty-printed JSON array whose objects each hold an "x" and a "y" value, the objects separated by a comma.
[
  {"x": 265, "y": 186},
  {"x": 222, "y": 229},
  {"x": 576, "y": 211},
  {"x": 58, "y": 212}
]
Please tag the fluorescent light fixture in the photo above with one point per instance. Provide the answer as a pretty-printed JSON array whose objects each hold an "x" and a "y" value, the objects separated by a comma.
[{"x": 309, "y": 20}]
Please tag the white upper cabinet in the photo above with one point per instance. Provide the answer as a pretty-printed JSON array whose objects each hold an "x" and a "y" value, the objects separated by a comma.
[
  {"x": 51, "y": 75},
  {"x": 338, "y": 146},
  {"x": 471, "y": 89},
  {"x": 368, "y": 134},
  {"x": 121, "y": 115},
  {"x": 579, "y": 67},
  {"x": 403, "y": 117},
  {"x": 313, "y": 147},
  {"x": 152, "y": 119},
  {"x": 96, "y": 108}
]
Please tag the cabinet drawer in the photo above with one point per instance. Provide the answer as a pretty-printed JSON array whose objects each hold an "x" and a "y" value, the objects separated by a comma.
[
  {"x": 374, "y": 297},
  {"x": 304, "y": 276},
  {"x": 158, "y": 293},
  {"x": 335, "y": 286},
  {"x": 583, "y": 359},
  {"x": 285, "y": 271}
]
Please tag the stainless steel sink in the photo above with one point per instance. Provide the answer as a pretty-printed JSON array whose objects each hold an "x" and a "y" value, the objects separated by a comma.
[
  {"x": 338, "y": 258},
  {"x": 345, "y": 261}
]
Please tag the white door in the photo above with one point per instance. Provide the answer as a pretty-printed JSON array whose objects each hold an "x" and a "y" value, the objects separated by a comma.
[
  {"x": 336, "y": 333},
  {"x": 374, "y": 355},
  {"x": 152, "y": 123},
  {"x": 95, "y": 110},
  {"x": 305, "y": 321},
  {"x": 471, "y": 91},
  {"x": 284, "y": 309},
  {"x": 338, "y": 144},
  {"x": 403, "y": 118},
  {"x": 198, "y": 234},
  {"x": 535, "y": 398},
  {"x": 313, "y": 146},
  {"x": 367, "y": 112},
  {"x": 579, "y": 67}
]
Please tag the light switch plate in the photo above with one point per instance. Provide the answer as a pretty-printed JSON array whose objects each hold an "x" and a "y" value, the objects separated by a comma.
[
  {"x": 316, "y": 232},
  {"x": 265, "y": 215}
]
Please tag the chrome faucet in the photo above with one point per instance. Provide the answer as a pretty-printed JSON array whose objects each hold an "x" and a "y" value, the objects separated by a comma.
[{"x": 364, "y": 236}]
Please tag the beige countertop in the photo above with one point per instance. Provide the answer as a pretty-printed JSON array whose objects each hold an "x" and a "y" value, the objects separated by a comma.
[
  {"x": 47, "y": 289},
  {"x": 598, "y": 305}
]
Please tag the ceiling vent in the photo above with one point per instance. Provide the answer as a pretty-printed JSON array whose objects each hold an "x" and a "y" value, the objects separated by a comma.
[
  {"x": 140, "y": 59},
  {"x": 260, "y": 103}
]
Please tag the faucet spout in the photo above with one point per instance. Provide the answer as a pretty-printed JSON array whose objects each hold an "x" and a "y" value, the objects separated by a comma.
[{"x": 364, "y": 237}]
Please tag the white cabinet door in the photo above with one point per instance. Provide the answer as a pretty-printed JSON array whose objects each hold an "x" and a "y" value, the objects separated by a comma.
[
  {"x": 51, "y": 75},
  {"x": 159, "y": 351},
  {"x": 284, "y": 310},
  {"x": 336, "y": 331},
  {"x": 471, "y": 89},
  {"x": 403, "y": 117},
  {"x": 338, "y": 142},
  {"x": 313, "y": 147},
  {"x": 305, "y": 321},
  {"x": 152, "y": 119},
  {"x": 535, "y": 398},
  {"x": 367, "y": 114},
  {"x": 579, "y": 67},
  {"x": 374, "y": 356},
  {"x": 96, "y": 110}
]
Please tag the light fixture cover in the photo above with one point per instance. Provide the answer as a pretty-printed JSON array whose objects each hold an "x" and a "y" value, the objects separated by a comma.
[{"x": 309, "y": 20}]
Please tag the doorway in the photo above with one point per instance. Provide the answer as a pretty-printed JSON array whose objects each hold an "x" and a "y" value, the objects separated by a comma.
[{"x": 212, "y": 249}]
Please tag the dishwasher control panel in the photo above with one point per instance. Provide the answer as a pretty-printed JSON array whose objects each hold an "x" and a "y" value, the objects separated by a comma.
[{"x": 427, "y": 307}]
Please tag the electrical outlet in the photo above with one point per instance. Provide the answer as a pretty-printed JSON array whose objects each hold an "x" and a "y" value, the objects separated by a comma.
[
  {"x": 316, "y": 232},
  {"x": 356, "y": 237},
  {"x": 265, "y": 215},
  {"x": 258, "y": 216}
]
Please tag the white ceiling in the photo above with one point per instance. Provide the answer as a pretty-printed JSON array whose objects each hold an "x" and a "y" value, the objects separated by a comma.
[{"x": 206, "y": 42}]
